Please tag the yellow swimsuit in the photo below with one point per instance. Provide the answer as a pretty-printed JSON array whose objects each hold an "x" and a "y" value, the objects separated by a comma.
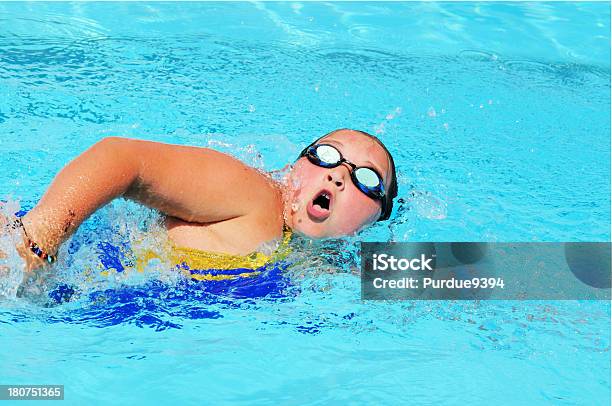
[{"x": 215, "y": 266}]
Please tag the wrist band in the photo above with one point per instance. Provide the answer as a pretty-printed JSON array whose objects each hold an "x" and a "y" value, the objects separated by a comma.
[{"x": 35, "y": 248}]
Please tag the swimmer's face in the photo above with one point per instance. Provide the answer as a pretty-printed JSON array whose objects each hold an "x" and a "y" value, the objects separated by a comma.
[{"x": 349, "y": 208}]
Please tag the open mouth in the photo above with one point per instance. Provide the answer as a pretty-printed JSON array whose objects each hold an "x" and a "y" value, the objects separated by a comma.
[
  {"x": 322, "y": 201},
  {"x": 319, "y": 207}
]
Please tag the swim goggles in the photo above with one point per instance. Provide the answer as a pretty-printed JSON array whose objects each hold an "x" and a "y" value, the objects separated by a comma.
[{"x": 366, "y": 179}]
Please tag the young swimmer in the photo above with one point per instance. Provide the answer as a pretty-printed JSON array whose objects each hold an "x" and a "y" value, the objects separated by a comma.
[{"x": 341, "y": 183}]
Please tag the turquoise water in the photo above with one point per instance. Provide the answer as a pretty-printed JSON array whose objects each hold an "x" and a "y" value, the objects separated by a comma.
[{"x": 498, "y": 115}]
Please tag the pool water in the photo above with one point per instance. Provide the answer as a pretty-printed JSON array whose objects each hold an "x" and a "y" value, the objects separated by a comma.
[{"x": 497, "y": 114}]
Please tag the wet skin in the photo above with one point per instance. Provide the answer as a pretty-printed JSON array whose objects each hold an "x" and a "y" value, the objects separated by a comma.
[{"x": 211, "y": 200}]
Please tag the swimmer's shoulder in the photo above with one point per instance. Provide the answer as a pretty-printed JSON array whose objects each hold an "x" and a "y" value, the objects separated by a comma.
[
  {"x": 239, "y": 235},
  {"x": 260, "y": 218},
  {"x": 264, "y": 221},
  {"x": 196, "y": 184},
  {"x": 267, "y": 213}
]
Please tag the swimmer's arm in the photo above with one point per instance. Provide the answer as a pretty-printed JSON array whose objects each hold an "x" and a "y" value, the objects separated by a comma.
[{"x": 193, "y": 184}]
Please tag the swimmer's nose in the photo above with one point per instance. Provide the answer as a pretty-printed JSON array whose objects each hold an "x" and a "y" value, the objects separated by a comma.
[{"x": 336, "y": 176}]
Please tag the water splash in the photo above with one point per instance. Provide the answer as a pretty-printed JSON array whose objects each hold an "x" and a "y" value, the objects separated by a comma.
[
  {"x": 428, "y": 205},
  {"x": 11, "y": 264}
]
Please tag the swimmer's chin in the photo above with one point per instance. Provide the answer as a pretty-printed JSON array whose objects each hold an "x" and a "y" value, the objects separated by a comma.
[
  {"x": 325, "y": 237},
  {"x": 307, "y": 233},
  {"x": 302, "y": 225}
]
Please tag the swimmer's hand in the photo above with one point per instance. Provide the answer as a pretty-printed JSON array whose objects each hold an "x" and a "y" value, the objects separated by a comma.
[{"x": 32, "y": 262}]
